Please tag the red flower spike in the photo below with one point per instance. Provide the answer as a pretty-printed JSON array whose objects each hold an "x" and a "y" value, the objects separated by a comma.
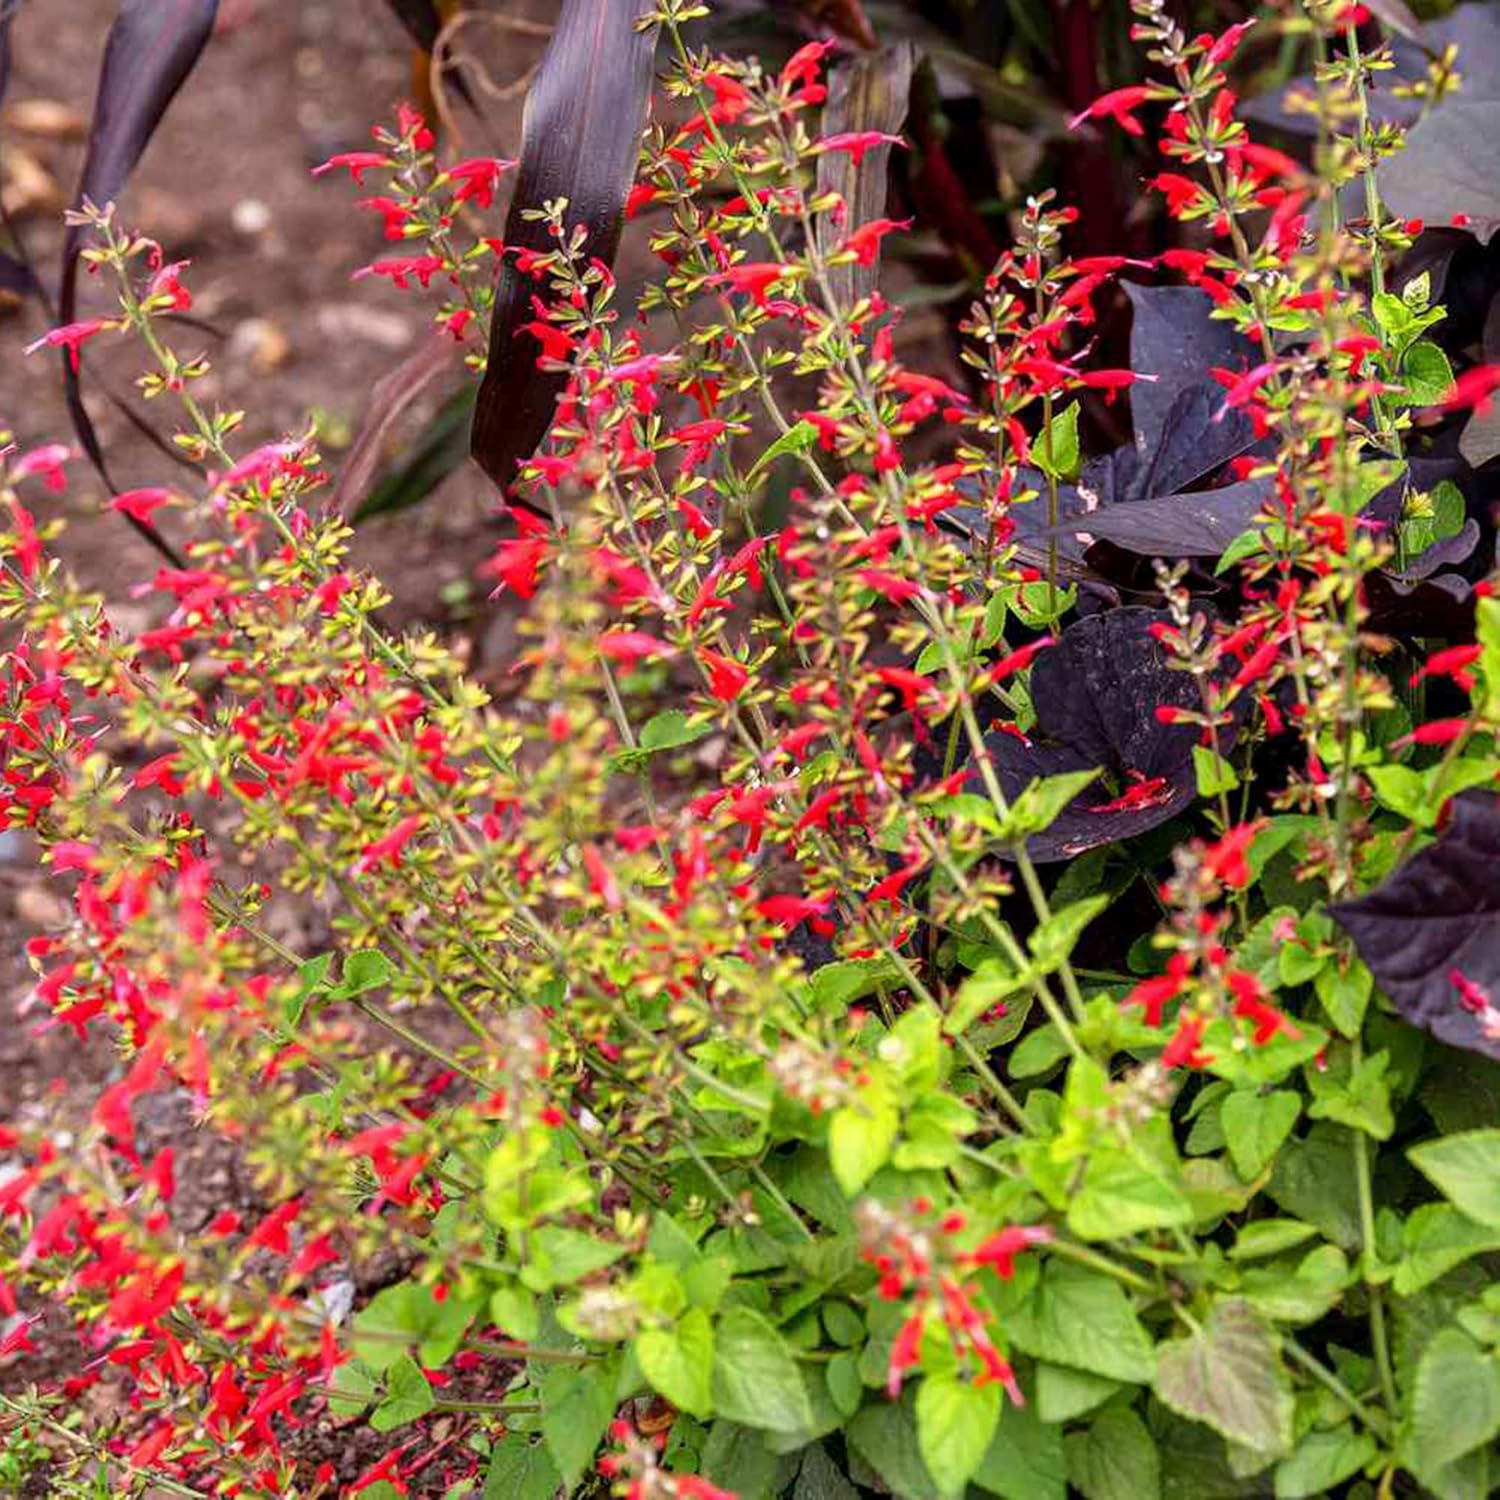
[
  {"x": 864, "y": 242},
  {"x": 906, "y": 1353},
  {"x": 1117, "y": 105},
  {"x": 999, "y": 1251},
  {"x": 857, "y": 142},
  {"x": 1183, "y": 1051},
  {"x": 357, "y": 164},
  {"x": 726, "y": 678}
]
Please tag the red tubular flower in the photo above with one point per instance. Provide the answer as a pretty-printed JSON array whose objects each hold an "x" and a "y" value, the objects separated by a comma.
[
  {"x": 999, "y": 1251},
  {"x": 141, "y": 505},
  {"x": 476, "y": 178},
  {"x": 167, "y": 285},
  {"x": 601, "y": 878},
  {"x": 857, "y": 142},
  {"x": 890, "y": 586},
  {"x": 273, "y": 1233},
  {"x": 401, "y": 269},
  {"x": 389, "y": 846},
  {"x": 146, "y": 1452},
  {"x": 1182, "y": 194},
  {"x": 1183, "y": 1050},
  {"x": 1153, "y": 994},
  {"x": 756, "y": 277},
  {"x": 1228, "y": 42},
  {"x": 356, "y": 162},
  {"x": 517, "y": 562},
  {"x": 1452, "y": 662},
  {"x": 1112, "y": 382},
  {"x": 1474, "y": 388},
  {"x": 632, "y": 646},
  {"x": 911, "y": 685},
  {"x": 790, "y": 910},
  {"x": 394, "y": 211},
  {"x": 1473, "y": 997},
  {"x": 1250, "y": 1005},
  {"x": 726, "y": 678},
  {"x": 557, "y": 344},
  {"x": 1434, "y": 732},
  {"x": 864, "y": 243},
  {"x": 906, "y": 1353},
  {"x": 1017, "y": 661},
  {"x": 820, "y": 809},
  {"x": 71, "y": 336},
  {"x": 1117, "y": 105},
  {"x": 804, "y": 65},
  {"x": 1226, "y": 860}
]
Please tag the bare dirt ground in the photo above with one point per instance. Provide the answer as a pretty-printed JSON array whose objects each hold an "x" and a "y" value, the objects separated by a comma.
[{"x": 226, "y": 184}]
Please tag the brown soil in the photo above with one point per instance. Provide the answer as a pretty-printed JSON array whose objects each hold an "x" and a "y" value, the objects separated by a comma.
[{"x": 226, "y": 184}]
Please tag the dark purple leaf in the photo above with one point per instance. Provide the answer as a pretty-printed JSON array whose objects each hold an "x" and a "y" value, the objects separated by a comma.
[
  {"x": 1473, "y": 28},
  {"x": 1446, "y": 552},
  {"x": 1201, "y": 524},
  {"x": 152, "y": 47},
  {"x": 581, "y": 141},
  {"x": 1438, "y": 915},
  {"x": 1449, "y": 167},
  {"x": 1432, "y": 255},
  {"x": 1173, "y": 338},
  {"x": 1096, "y": 694},
  {"x": 968, "y": 526},
  {"x": 1398, "y": 15},
  {"x": 1198, "y": 437}
]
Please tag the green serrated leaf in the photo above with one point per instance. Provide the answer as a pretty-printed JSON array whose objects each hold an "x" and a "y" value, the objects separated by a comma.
[
  {"x": 1024, "y": 1460},
  {"x": 1115, "y": 1458},
  {"x": 1269, "y": 1237},
  {"x": 559, "y": 1257},
  {"x": 1435, "y": 1238},
  {"x": 670, "y": 730},
  {"x": 1053, "y": 941},
  {"x": 955, "y": 1421},
  {"x": 756, "y": 1381},
  {"x": 366, "y": 969},
  {"x": 1084, "y": 1320},
  {"x": 1426, "y": 375},
  {"x": 1455, "y": 1402},
  {"x": 578, "y": 1403},
  {"x": 1124, "y": 1193},
  {"x": 407, "y": 1396},
  {"x": 1056, "y": 450},
  {"x": 836, "y": 986},
  {"x": 1465, "y": 1168},
  {"x": 520, "y": 1469},
  {"x": 1228, "y": 1375},
  {"x": 1256, "y": 1125},
  {"x": 678, "y": 1362},
  {"x": 1321, "y": 1462},
  {"x": 862, "y": 1135}
]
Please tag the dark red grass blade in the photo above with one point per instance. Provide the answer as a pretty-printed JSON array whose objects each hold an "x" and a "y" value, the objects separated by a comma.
[
  {"x": 424, "y": 24},
  {"x": 581, "y": 139},
  {"x": 421, "y": 19},
  {"x": 153, "y": 45}
]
